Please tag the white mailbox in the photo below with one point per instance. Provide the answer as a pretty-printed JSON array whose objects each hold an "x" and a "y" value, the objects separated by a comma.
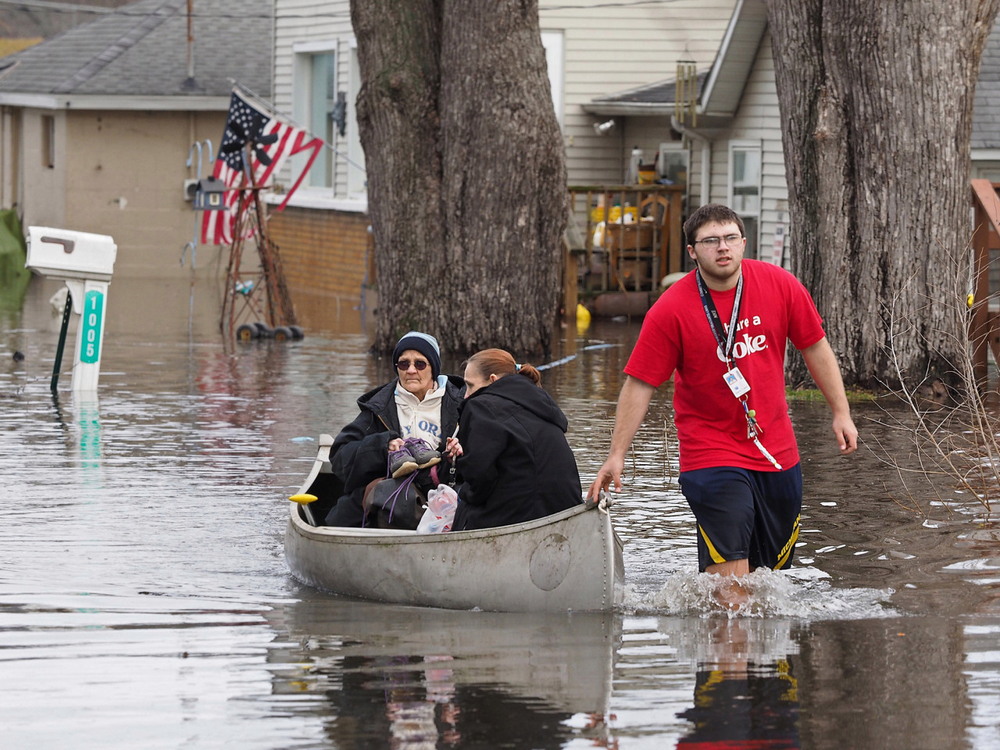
[
  {"x": 65, "y": 254},
  {"x": 85, "y": 262}
]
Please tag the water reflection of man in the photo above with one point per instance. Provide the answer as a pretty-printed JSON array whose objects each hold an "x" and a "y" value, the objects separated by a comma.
[
  {"x": 754, "y": 707},
  {"x": 741, "y": 701},
  {"x": 721, "y": 333}
]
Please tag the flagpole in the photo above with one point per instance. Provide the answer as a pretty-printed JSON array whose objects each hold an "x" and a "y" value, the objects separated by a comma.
[{"x": 271, "y": 108}]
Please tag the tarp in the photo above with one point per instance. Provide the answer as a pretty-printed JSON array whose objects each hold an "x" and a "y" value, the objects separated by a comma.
[{"x": 14, "y": 277}]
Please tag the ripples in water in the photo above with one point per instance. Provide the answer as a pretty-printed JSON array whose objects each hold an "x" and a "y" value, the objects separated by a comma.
[
  {"x": 800, "y": 593},
  {"x": 145, "y": 602}
]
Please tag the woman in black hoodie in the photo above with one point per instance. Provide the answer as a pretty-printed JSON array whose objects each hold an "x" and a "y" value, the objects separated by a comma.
[{"x": 515, "y": 464}]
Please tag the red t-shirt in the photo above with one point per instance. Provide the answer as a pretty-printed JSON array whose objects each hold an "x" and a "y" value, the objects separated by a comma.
[{"x": 676, "y": 340}]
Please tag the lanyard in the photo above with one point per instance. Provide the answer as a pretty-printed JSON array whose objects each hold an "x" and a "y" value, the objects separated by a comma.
[{"x": 726, "y": 341}]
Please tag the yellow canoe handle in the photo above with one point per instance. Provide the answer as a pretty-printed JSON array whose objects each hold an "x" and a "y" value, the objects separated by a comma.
[{"x": 303, "y": 499}]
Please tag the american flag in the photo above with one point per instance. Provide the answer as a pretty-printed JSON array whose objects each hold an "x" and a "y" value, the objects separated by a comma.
[{"x": 271, "y": 136}]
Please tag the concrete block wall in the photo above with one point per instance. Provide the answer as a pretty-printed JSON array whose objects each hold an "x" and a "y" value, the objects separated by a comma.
[{"x": 328, "y": 264}]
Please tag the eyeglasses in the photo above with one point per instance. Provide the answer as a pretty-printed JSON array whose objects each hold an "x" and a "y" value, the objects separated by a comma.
[
  {"x": 404, "y": 364},
  {"x": 712, "y": 243}
]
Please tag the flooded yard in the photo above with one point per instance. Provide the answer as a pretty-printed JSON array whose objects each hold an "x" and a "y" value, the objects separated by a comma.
[{"x": 145, "y": 601}]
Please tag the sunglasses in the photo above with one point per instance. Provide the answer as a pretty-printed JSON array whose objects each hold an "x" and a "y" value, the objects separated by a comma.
[{"x": 404, "y": 364}]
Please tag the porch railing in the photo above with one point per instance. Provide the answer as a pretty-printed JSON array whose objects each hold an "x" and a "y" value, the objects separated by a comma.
[
  {"x": 984, "y": 329},
  {"x": 626, "y": 237}
]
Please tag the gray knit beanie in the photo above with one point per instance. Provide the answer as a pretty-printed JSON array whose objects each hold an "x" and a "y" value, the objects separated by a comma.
[{"x": 423, "y": 343}]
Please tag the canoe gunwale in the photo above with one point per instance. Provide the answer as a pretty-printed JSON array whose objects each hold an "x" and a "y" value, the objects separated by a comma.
[{"x": 346, "y": 535}]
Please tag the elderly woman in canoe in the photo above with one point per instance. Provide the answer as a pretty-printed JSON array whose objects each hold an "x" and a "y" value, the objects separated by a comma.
[{"x": 401, "y": 429}]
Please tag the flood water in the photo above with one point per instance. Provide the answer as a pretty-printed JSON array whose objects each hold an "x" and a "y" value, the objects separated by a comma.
[{"x": 145, "y": 601}]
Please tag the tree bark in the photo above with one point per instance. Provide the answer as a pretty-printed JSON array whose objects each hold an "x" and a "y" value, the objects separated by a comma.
[
  {"x": 466, "y": 174},
  {"x": 876, "y": 109}
]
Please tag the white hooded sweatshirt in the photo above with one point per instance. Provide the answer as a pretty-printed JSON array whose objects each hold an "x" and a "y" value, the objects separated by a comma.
[{"x": 421, "y": 419}]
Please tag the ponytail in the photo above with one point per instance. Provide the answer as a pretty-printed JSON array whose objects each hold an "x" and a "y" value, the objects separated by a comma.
[{"x": 501, "y": 363}]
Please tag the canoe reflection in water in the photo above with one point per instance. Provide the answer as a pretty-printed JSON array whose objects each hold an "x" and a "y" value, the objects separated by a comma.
[
  {"x": 389, "y": 676},
  {"x": 422, "y": 704}
]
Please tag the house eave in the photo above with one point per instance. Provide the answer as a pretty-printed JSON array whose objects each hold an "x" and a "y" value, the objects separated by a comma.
[
  {"x": 714, "y": 122},
  {"x": 112, "y": 103},
  {"x": 628, "y": 109},
  {"x": 730, "y": 71},
  {"x": 985, "y": 154}
]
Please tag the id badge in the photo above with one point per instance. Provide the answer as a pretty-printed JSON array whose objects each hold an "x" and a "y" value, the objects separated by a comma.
[{"x": 736, "y": 382}]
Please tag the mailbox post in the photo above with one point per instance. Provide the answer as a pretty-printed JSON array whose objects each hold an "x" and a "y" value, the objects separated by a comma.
[{"x": 85, "y": 262}]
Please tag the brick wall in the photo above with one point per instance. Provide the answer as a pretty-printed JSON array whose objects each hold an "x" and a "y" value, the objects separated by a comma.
[{"x": 327, "y": 259}]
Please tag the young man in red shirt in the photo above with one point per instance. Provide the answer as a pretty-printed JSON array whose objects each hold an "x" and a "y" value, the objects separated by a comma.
[{"x": 721, "y": 332}]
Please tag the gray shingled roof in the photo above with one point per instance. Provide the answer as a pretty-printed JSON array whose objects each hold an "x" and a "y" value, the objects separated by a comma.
[
  {"x": 986, "y": 114},
  {"x": 718, "y": 89},
  {"x": 662, "y": 92},
  {"x": 141, "y": 49}
]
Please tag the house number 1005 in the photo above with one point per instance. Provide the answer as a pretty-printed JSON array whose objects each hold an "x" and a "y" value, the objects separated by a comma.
[{"x": 90, "y": 332}]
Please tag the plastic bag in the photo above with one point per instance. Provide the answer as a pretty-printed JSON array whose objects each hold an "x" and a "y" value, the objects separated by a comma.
[{"x": 440, "y": 514}]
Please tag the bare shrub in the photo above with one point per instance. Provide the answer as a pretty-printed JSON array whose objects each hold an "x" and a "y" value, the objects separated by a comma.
[{"x": 949, "y": 420}]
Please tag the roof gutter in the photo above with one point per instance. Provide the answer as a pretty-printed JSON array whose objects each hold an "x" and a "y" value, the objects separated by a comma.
[
  {"x": 117, "y": 103},
  {"x": 629, "y": 109},
  {"x": 985, "y": 154}
]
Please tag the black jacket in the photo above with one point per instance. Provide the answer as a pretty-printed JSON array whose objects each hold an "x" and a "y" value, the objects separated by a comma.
[
  {"x": 360, "y": 452},
  {"x": 516, "y": 464}
]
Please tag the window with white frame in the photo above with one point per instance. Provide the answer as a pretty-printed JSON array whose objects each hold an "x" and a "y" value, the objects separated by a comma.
[
  {"x": 745, "y": 188},
  {"x": 672, "y": 163},
  {"x": 315, "y": 94},
  {"x": 357, "y": 184},
  {"x": 987, "y": 171}
]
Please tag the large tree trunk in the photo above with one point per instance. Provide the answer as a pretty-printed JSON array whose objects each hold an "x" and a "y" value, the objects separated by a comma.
[
  {"x": 876, "y": 110},
  {"x": 466, "y": 175}
]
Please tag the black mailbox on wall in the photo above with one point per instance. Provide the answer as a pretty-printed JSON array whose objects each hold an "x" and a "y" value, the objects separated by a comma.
[{"x": 208, "y": 194}]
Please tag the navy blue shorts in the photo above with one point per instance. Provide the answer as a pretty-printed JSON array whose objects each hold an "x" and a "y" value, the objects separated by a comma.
[{"x": 745, "y": 515}]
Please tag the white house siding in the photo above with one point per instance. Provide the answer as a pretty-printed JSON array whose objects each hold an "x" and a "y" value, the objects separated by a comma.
[
  {"x": 758, "y": 119},
  {"x": 605, "y": 50},
  {"x": 610, "y": 49},
  {"x": 314, "y": 26},
  {"x": 595, "y": 51}
]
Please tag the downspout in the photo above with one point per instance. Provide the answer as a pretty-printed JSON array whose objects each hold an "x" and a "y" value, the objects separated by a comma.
[
  {"x": 6, "y": 149},
  {"x": 706, "y": 157},
  {"x": 190, "y": 40}
]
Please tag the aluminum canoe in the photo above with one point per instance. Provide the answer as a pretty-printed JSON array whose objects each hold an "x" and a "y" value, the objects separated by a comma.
[{"x": 571, "y": 560}]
